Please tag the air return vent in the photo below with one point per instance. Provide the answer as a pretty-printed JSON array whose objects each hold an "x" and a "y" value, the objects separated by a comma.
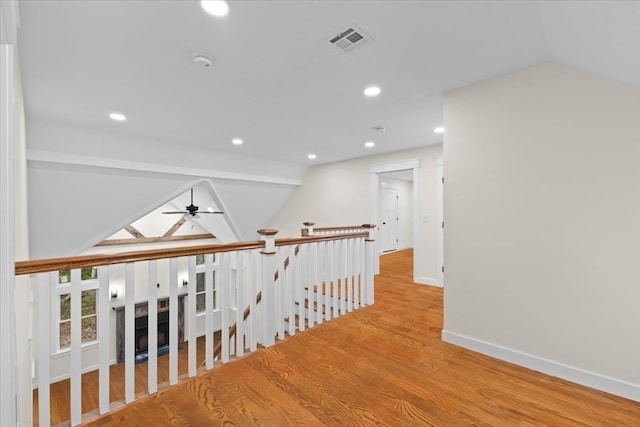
[{"x": 350, "y": 39}]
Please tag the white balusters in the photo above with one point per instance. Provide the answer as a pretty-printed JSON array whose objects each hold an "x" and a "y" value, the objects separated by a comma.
[
  {"x": 173, "y": 321},
  {"x": 152, "y": 330},
  {"x": 209, "y": 284},
  {"x": 129, "y": 333},
  {"x": 104, "y": 338},
  {"x": 193, "y": 320},
  {"x": 46, "y": 281},
  {"x": 301, "y": 284}
]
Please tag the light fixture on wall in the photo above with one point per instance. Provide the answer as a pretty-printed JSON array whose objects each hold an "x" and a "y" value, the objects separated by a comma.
[
  {"x": 114, "y": 293},
  {"x": 185, "y": 282}
]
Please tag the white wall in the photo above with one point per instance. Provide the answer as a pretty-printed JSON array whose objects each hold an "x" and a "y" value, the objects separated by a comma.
[
  {"x": 339, "y": 193},
  {"x": 542, "y": 214},
  {"x": 405, "y": 210}
]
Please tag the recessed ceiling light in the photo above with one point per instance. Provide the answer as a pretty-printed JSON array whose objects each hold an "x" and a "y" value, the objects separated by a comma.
[
  {"x": 311, "y": 156},
  {"x": 236, "y": 141},
  {"x": 439, "y": 129},
  {"x": 372, "y": 91},
  {"x": 118, "y": 117},
  {"x": 369, "y": 144},
  {"x": 215, "y": 8}
]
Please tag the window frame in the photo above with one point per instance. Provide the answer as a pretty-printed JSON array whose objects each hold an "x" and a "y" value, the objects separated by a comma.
[{"x": 65, "y": 289}]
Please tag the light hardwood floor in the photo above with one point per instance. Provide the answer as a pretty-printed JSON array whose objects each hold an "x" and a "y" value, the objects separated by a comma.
[{"x": 384, "y": 365}]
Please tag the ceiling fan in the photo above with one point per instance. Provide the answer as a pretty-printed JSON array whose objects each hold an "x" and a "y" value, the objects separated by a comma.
[{"x": 192, "y": 209}]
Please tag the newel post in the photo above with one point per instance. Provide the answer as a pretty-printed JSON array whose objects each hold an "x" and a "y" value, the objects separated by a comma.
[
  {"x": 268, "y": 286},
  {"x": 308, "y": 231},
  {"x": 369, "y": 263}
]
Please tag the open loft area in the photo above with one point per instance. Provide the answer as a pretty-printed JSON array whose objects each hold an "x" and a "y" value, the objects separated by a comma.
[{"x": 185, "y": 184}]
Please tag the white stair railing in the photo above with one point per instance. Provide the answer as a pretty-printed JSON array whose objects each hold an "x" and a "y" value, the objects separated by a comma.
[{"x": 261, "y": 288}]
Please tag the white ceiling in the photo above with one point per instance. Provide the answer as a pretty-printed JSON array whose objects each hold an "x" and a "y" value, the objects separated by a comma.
[{"x": 278, "y": 84}]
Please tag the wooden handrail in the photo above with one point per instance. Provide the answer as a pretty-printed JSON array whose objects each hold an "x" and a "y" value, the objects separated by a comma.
[{"x": 56, "y": 264}]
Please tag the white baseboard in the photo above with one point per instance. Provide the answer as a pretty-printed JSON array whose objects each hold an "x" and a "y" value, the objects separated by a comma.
[
  {"x": 559, "y": 370},
  {"x": 428, "y": 281}
]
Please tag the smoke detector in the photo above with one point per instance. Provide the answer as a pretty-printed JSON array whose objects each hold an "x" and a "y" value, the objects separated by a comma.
[
  {"x": 202, "y": 60},
  {"x": 350, "y": 39},
  {"x": 380, "y": 129}
]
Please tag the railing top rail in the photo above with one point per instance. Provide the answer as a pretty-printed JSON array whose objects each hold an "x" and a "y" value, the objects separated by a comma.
[
  {"x": 344, "y": 227},
  {"x": 56, "y": 264},
  {"x": 319, "y": 238}
]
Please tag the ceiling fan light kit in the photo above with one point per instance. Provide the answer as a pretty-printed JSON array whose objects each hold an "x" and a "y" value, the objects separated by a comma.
[{"x": 192, "y": 210}]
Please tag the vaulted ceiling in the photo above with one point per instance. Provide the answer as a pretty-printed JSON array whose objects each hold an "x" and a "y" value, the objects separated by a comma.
[{"x": 277, "y": 82}]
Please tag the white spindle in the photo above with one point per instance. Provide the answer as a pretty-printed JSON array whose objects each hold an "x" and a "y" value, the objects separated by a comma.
[
  {"x": 343, "y": 276},
  {"x": 224, "y": 291},
  {"x": 252, "y": 328},
  {"x": 317, "y": 280},
  {"x": 104, "y": 338},
  {"x": 369, "y": 268},
  {"x": 209, "y": 284},
  {"x": 268, "y": 321},
  {"x": 291, "y": 291},
  {"x": 350, "y": 274},
  {"x": 303, "y": 285},
  {"x": 193, "y": 321},
  {"x": 241, "y": 302},
  {"x": 129, "y": 333},
  {"x": 280, "y": 292},
  {"x": 76, "y": 348},
  {"x": 46, "y": 281},
  {"x": 152, "y": 329},
  {"x": 299, "y": 286},
  {"x": 173, "y": 321},
  {"x": 326, "y": 279},
  {"x": 310, "y": 279}
]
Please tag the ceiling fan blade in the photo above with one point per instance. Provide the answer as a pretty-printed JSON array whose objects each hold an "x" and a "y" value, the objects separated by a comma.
[
  {"x": 207, "y": 212},
  {"x": 176, "y": 212}
]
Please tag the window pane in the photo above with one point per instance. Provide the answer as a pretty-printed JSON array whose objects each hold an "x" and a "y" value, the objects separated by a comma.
[
  {"x": 200, "y": 303},
  {"x": 199, "y": 282},
  {"x": 65, "y": 307},
  {"x": 64, "y": 276},
  {"x": 88, "y": 273},
  {"x": 89, "y": 302},
  {"x": 65, "y": 334},
  {"x": 200, "y": 259},
  {"x": 89, "y": 329}
]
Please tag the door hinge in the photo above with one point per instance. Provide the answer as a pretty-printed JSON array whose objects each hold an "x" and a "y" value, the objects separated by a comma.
[
  {"x": 443, "y": 179},
  {"x": 443, "y": 268},
  {"x": 442, "y": 224}
]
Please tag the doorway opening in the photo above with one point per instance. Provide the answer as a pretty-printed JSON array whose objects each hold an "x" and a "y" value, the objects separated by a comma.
[{"x": 430, "y": 251}]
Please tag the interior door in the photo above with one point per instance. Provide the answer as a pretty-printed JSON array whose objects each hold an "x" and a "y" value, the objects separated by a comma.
[{"x": 389, "y": 217}]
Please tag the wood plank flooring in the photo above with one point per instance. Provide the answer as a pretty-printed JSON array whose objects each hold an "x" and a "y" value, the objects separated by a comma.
[{"x": 384, "y": 365}]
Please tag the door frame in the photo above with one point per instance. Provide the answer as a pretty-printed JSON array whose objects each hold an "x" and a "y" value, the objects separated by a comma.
[{"x": 375, "y": 199}]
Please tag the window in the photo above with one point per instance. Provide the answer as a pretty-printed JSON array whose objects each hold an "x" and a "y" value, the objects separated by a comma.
[
  {"x": 88, "y": 309},
  {"x": 200, "y": 283}
]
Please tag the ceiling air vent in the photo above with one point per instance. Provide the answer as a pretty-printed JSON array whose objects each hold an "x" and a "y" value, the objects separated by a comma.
[{"x": 350, "y": 39}]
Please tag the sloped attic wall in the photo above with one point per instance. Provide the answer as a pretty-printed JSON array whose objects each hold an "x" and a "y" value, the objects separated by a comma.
[{"x": 79, "y": 198}]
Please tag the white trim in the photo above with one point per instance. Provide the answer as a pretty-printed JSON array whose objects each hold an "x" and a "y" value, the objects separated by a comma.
[
  {"x": 8, "y": 382},
  {"x": 390, "y": 167},
  {"x": 102, "y": 162},
  {"x": 440, "y": 220},
  {"x": 428, "y": 281},
  {"x": 559, "y": 370}
]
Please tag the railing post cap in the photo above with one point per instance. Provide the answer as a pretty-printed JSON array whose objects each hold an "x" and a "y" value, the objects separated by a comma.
[
  {"x": 267, "y": 232},
  {"x": 368, "y": 226},
  {"x": 309, "y": 224}
]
